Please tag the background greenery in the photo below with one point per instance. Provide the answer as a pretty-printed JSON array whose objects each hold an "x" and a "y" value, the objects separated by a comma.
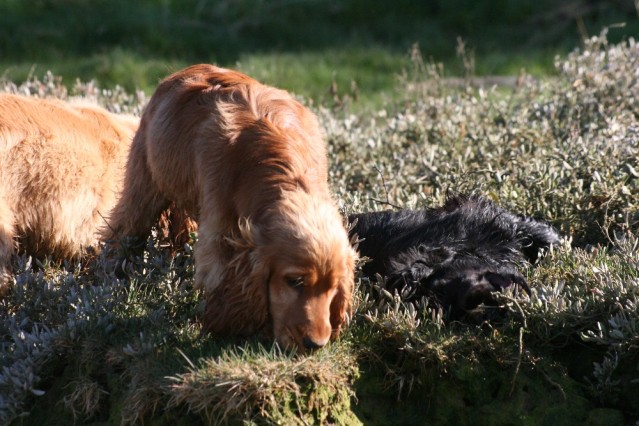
[
  {"x": 79, "y": 346},
  {"x": 300, "y": 45}
]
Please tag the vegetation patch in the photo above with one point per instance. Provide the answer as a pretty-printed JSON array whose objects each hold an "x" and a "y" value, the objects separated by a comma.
[{"x": 78, "y": 345}]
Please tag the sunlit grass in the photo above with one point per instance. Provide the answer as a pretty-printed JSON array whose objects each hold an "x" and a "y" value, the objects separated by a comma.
[{"x": 364, "y": 79}]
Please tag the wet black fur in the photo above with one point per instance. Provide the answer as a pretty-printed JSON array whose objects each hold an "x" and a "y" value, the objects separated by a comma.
[{"x": 460, "y": 253}]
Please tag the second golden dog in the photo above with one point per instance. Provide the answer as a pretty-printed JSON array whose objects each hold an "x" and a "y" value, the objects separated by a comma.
[
  {"x": 61, "y": 169},
  {"x": 61, "y": 172}
]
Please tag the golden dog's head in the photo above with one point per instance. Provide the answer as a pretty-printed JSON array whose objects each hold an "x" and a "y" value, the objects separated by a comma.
[{"x": 292, "y": 275}]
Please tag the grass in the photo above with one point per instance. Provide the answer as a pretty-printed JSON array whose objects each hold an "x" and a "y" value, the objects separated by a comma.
[
  {"x": 300, "y": 45},
  {"x": 79, "y": 346}
]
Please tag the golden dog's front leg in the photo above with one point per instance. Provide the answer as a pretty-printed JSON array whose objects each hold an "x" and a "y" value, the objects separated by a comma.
[
  {"x": 6, "y": 247},
  {"x": 141, "y": 202},
  {"x": 211, "y": 259}
]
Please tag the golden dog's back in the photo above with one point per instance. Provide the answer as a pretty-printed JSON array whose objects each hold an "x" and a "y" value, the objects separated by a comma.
[{"x": 220, "y": 116}]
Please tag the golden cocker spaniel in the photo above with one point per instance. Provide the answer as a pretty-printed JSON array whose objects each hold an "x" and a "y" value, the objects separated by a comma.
[
  {"x": 61, "y": 168},
  {"x": 249, "y": 162},
  {"x": 61, "y": 172}
]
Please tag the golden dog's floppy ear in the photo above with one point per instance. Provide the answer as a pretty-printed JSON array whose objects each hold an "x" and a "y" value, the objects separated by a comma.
[
  {"x": 238, "y": 306},
  {"x": 341, "y": 305},
  {"x": 341, "y": 310}
]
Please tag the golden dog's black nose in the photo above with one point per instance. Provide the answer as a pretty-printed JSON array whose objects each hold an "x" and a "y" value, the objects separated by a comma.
[{"x": 311, "y": 344}]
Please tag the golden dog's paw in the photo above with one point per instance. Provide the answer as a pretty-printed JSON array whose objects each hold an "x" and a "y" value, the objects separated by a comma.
[{"x": 6, "y": 282}]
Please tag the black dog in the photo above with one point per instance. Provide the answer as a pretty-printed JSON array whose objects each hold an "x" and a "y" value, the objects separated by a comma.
[{"x": 460, "y": 253}]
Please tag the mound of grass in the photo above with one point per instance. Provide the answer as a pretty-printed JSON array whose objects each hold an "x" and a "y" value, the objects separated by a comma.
[{"x": 79, "y": 345}]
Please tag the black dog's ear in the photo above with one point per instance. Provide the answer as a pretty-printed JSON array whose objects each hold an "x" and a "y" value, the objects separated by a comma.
[
  {"x": 415, "y": 266},
  {"x": 535, "y": 236},
  {"x": 408, "y": 279}
]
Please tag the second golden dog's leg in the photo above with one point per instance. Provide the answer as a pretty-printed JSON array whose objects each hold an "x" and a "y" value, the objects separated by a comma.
[
  {"x": 6, "y": 246},
  {"x": 141, "y": 202}
]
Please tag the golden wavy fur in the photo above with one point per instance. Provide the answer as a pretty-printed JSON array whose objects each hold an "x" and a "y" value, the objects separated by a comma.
[
  {"x": 61, "y": 172},
  {"x": 249, "y": 161}
]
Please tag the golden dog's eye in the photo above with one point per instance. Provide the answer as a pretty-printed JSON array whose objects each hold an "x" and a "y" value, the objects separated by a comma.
[{"x": 295, "y": 282}]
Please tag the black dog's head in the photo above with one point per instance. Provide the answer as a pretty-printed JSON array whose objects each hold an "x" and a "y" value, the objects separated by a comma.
[{"x": 460, "y": 287}]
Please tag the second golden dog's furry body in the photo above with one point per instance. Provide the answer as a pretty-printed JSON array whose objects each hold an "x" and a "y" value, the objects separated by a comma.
[
  {"x": 61, "y": 169},
  {"x": 61, "y": 172},
  {"x": 249, "y": 162}
]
